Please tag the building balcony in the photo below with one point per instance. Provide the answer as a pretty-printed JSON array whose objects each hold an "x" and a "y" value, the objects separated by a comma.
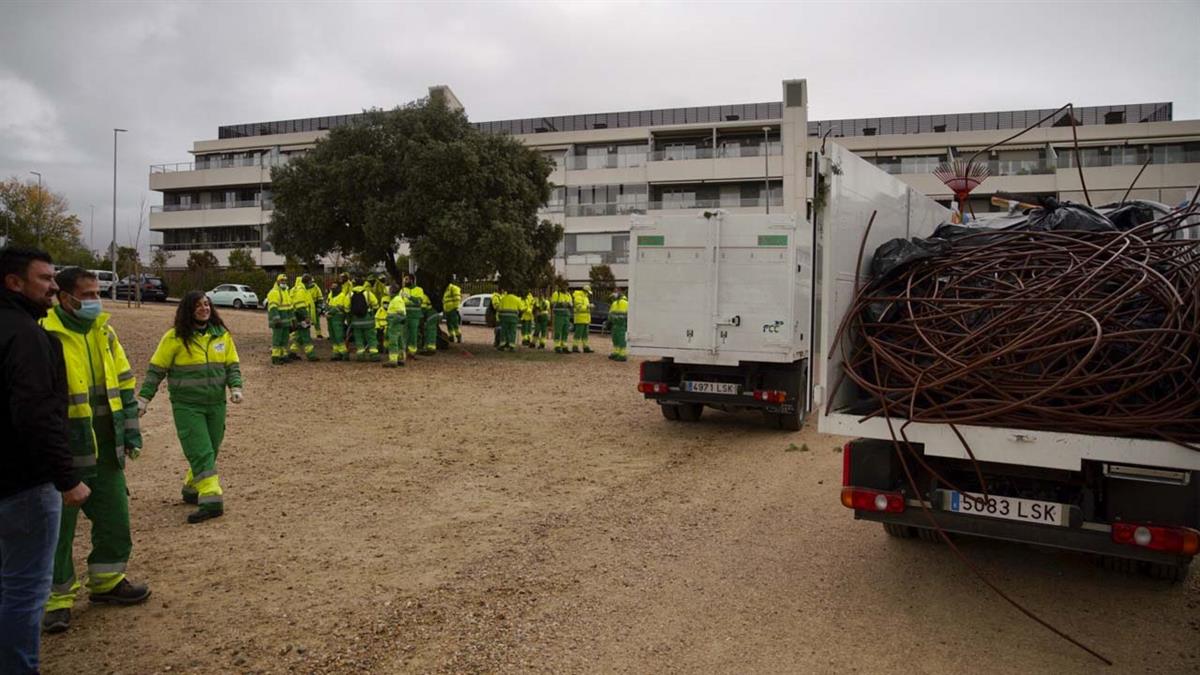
[
  {"x": 196, "y": 216},
  {"x": 215, "y": 172}
]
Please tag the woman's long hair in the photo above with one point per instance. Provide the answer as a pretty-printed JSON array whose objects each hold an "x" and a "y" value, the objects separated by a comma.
[{"x": 185, "y": 323}]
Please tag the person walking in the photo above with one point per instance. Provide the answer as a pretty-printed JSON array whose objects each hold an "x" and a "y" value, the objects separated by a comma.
[
  {"x": 337, "y": 307},
  {"x": 103, "y": 418},
  {"x": 397, "y": 329},
  {"x": 562, "y": 305},
  {"x": 362, "y": 304},
  {"x": 541, "y": 319},
  {"x": 509, "y": 311},
  {"x": 451, "y": 301},
  {"x": 618, "y": 321},
  {"x": 199, "y": 360},
  {"x": 35, "y": 457},
  {"x": 582, "y": 305},
  {"x": 280, "y": 316}
]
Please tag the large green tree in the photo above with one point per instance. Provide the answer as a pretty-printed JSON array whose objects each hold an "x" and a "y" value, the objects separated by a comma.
[
  {"x": 29, "y": 213},
  {"x": 465, "y": 201}
]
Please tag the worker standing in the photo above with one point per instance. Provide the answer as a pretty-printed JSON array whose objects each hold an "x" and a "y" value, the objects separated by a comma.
[
  {"x": 381, "y": 322},
  {"x": 562, "y": 305},
  {"x": 618, "y": 321},
  {"x": 199, "y": 361},
  {"x": 362, "y": 304},
  {"x": 304, "y": 309},
  {"x": 527, "y": 320},
  {"x": 280, "y": 316},
  {"x": 317, "y": 302},
  {"x": 582, "y": 305},
  {"x": 337, "y": 307},
  {"x": 541, "y": 319},
  {"x": 451, "y": 301},
  {"x": 416, "y": 303},
  {"x": 397, "y": 328},
  {"x": 378, "y": 287},
  {"x": 496, "y": 330},
  {"x": 508, "y": 312},
  {"x": 103, "y": 419}
]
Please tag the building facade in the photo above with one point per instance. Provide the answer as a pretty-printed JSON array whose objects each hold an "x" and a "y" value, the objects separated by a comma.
[{"x": 745, "y": 158}]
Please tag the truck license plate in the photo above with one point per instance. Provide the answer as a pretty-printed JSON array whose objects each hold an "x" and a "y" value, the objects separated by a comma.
[
  {"x": 1010, "y": 508},
  {"x": 711, "y": 387}
]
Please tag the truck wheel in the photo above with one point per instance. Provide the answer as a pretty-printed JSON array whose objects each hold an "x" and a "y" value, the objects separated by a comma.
[
  {"x": 669, "y": 411},
  {"x": 791, "y": 421},
  {"x": 690, "y": 412},
  {"x": 1167, "y": 571},
  {"x": 898, "y": 531},
  {"x": 928, "y": 534},
  {"x": 1119, "y": 565}
]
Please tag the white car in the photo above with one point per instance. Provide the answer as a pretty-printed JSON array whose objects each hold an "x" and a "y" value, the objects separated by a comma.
[
  {"x": 474, "y": 308},
  {"x": 233, "y": 295},
  {"x": 106, "y": 278}
]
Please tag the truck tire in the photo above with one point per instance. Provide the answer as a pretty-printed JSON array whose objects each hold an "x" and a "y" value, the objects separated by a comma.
[
  {"x": 669, "y": 411},
  {"x": 929, "y": 534},
  {"x": 791, "y": 421},
  {"x": 690, "y": 412},
  {"x": 899, "y": 531},
  {"x": 1167, "y": 571},
  {"x": 1119, "y": 565}
]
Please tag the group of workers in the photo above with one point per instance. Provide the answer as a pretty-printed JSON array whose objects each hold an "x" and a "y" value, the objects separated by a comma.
[{"x": 376, "y": 317}]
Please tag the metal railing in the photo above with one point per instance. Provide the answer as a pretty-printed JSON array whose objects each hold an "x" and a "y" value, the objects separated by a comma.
[
  {"x": 205, "y": 245},
  {"x": 597, "y": 258},
  {"x": 610, "y": 161},
  {"x": 613, "y": 209},
  {"x": 728, "y": 203},
  {"x": 774, "y": 148},
  {"x": 203, "y": 164},
  {"x": 681, "y": 154},
  {"x": 246, "y": 203}
]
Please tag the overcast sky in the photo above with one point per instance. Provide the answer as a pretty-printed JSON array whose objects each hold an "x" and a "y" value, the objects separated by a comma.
[{"x": 170, "y": 73}]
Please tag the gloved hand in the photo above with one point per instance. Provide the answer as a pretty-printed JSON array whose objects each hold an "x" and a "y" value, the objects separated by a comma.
[
  {"x": 235, "y": 396},
  {"x": 143, "y": 404},
  {"x": 132, "y": 452}
]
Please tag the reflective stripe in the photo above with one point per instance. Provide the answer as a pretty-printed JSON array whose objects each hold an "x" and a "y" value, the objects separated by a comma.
[
  {"x": 82, "y": 461},
  {"x": 198, "y": 367},
  {"x": 101, "y": 410},
  {"x": 157, "y": 370},
  {"x": 125, "y": 376},
  {"x": 204, "y": 474},
  {"x": 210, "y": 499},
  {"x": 106, "y": 568},
  {"x": 65, "y": 587},
  {"x": 77, "y": 399},
  {"x": 132, "y": 424},
  {"x": 197, "y": 382}
]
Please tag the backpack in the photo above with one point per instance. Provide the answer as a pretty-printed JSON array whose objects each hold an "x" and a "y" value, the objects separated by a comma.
[{"x": 358, "y": 304}]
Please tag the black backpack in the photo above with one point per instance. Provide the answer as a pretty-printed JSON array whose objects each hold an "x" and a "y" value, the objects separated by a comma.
[{"x": 358, "y": 304}]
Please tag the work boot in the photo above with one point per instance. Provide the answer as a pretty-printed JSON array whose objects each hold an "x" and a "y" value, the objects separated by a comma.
[
  {"x": 574, "y": 350},
  {"x": 389, "y": 364},
  {"x": 124, "y": 593},
  {"x": 201, "y": 515},
  {"x": 313, "y": 357},
  {"x": 276, "y": 361},
  {"x": 587, "y": 350},
  {"x": 294, "y": 357},
  {"x": 458, "y": 338},
  {"x": 190, "y": 496},
  {"x": 56, "y": 621}
]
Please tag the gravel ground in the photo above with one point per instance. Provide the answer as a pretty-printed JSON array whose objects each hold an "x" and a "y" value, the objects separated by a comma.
[{"x": 479, "y": 512}]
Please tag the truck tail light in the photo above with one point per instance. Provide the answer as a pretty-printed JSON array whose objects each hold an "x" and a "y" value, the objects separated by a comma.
[
  {"x": 770, "y": 395},
  {"x": 652, "y": 387},
  {"x": 1179, "y": 540},
  {"x": 864, "y": 499}
]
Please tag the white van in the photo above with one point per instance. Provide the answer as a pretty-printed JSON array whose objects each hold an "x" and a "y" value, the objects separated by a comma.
[{"x": 106, "y": 278}]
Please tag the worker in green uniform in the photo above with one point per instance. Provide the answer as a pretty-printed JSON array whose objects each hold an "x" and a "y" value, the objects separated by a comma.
[
  {"x": 378, "y": 286},
  {"x": 541, "y": 319},
  {"x": 304, "y": 309},
  {"x": 362, "y": 304},
  {"x": 509, "y": 311},
  {"x": 416, "y": 304},
  {"x": 103, "y": 423},
  {"x": 317, "y": 302},
  {"x": 618, "y": 321},
  {"x": 562, "y": 305},
  {"x": 337, "y": 307},
  {"x": 527, "y": 320},
  {"x": 431, "y": 318},
  {"x": 582, "y": 306},
  {"x": 451, "y": 301},
  {"x": 199, "y": 361},
  {"x": 397, "y": 328},
  {"x": 280, "y": 316},
  {"x": 496, "y": 330},
  {"x": 381, "y": 322}
]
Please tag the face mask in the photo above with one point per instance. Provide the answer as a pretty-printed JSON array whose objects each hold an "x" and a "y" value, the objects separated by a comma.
[{"x": 88, "y": 309}]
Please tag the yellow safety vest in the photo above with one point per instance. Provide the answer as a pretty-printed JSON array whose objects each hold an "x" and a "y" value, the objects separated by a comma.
[
  {"x": 583, "y": 306},
  {"x": 452, "y": 298},
  {"x": 196, "y": 373}
]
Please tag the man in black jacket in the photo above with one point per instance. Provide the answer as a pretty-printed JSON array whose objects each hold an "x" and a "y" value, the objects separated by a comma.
[{"x": 35, "y": 460}]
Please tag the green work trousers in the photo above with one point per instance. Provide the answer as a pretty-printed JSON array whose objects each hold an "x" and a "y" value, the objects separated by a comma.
[
  {"x": 453, "y": 323},
  {"x": 337, "y": 334},
  {"x": 432, "y": 319},
  {"x": 414, "y": 329},
  {"x": 108, "y": 509},
  {"x": 580, "y": 337},
  {"x": 539, "y": 329},
  {"x": 201, "y": 428},
  {"x": 363, "y": 330},
  {"x": 526, "y": 331},
  {"x": 508, "y": 330},
  {"x": 302, "y": 338},
  {"x": 397, "y": 331},
  {"x": 620, "y": 325},
  {"x": 562, "y": 328}
]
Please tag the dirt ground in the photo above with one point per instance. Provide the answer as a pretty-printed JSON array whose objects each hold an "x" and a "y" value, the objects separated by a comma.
[{"x": 480, "y": 512}]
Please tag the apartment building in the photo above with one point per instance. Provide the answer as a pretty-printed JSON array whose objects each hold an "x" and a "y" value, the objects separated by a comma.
[{"x": 745, "y": 157}]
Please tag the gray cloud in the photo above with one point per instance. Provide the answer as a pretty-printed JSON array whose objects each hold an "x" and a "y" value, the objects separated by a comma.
[{"x": 172, "y": 72}]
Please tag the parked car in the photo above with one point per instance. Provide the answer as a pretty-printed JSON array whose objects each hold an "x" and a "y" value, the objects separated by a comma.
[
  {"x": 106, "y": 278},
  {"x": 599, "y": 315},
  {"x": 474, "y": 308},
  {"x": 233, "y": 295},
  {"x": 153, "y": 288}
]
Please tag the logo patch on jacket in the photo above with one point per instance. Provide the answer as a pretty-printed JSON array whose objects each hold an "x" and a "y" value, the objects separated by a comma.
[{"x": 219, "y": 347}]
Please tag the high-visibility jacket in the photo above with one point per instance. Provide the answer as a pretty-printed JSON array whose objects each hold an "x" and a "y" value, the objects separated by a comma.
[
  {"x": 100, "y": 388},
  {"x": 279, "y": 306},
  {"x": 527, "y": 307},
  {"x": 379, "y": 288},
  {"x": 582, "y": 304},
  {"x": 541, "y": 306},
  {"x": 562, "y": 302},
  {"x": 396, "y": 311},
  {"x": 452, "y": 298},
  {"x": 510, "y": 305},
  {"x": 417, "y": 300},
  {"x": 197, "y": 373},
  {"x": 619, "y": 309},
  {"x": 372, "y": 301},
  {"x": 496, "y": 305},
  {"x": 339, "y": 303},
  {"x": 302, "y": 300},
  {"x": 381, "y": 314},
  {"x": 316, "y": 297}
]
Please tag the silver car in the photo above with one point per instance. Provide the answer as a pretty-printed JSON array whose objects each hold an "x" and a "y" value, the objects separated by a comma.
[{"x": 474, "y": 308}]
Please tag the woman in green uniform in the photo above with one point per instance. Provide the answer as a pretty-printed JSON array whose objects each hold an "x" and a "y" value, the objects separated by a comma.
[{"x": 199, "y": 361}]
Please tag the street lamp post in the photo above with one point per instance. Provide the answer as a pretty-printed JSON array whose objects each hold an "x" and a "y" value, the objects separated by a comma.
[
  {"x": 41, "y": 209},
  {"x": 114, "y": 205},
  {"x": 92, "y": 229},
  {"x": 767, "y": 167}
]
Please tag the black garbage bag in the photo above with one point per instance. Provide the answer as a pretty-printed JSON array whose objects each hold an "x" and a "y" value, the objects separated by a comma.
[
  {"x": 898, "y": 253},
  {"x": 1057, "y": 215},
  {"x": 1130, "y": 214}
]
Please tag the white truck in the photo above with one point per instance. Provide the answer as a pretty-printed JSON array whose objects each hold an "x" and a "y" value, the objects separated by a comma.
[
  {"x": 724, "y": 303},
  {"x": 1134, "y": 502}
]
